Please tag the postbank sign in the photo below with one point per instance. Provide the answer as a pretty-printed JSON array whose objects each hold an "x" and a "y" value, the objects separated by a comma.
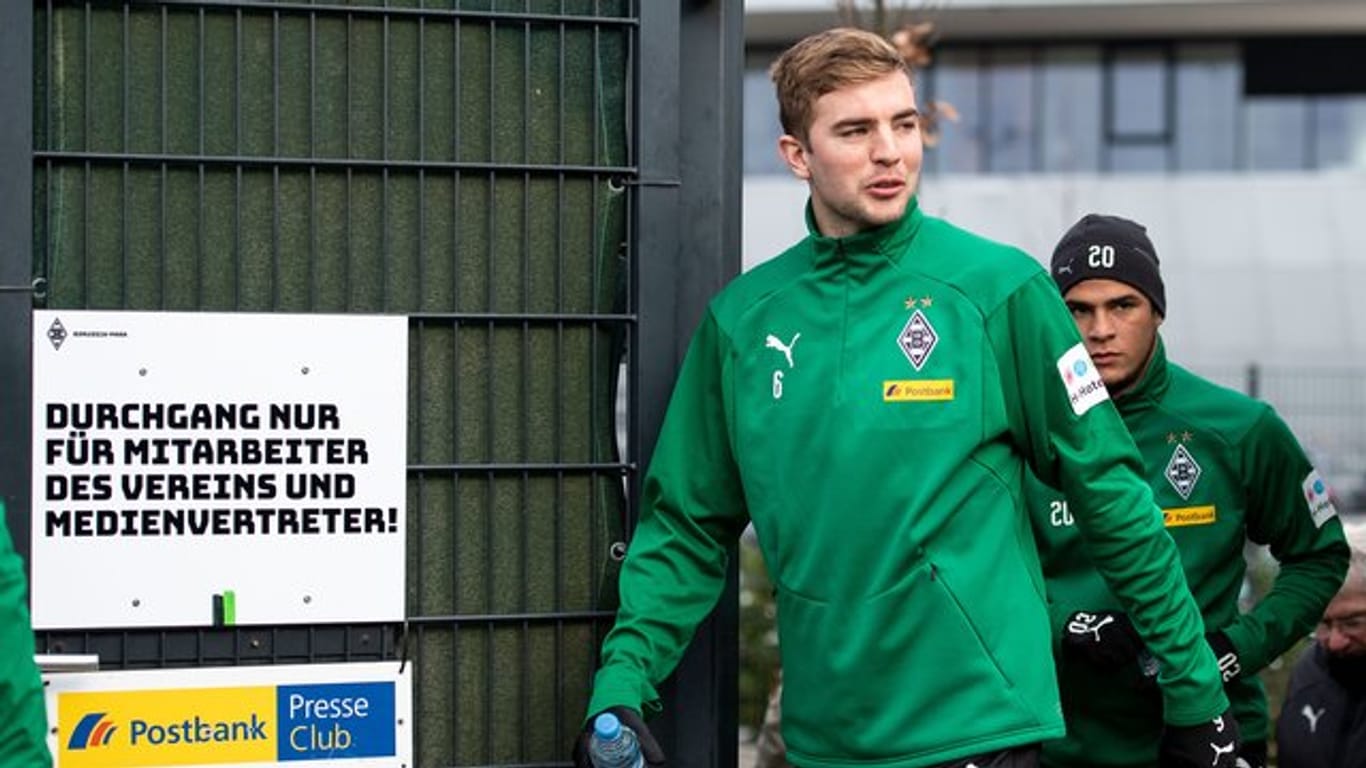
[{"x": 358, "y": 717}]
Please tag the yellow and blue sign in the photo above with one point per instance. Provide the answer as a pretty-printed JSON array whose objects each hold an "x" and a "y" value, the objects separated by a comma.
[
  {"x": 336, "y": 720},
  {"x": 282, "y": 724}
]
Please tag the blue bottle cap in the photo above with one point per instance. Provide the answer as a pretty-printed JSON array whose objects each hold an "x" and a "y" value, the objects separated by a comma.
[{"x": 607, "y": 726}]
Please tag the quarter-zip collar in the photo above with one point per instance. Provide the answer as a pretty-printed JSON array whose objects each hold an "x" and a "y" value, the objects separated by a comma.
[
  {"x": 1147, "y": 392},
  {"x": 865, "y": 251}
]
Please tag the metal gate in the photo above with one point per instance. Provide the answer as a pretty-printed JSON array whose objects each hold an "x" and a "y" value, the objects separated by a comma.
[{"x": 504, "y": 173}]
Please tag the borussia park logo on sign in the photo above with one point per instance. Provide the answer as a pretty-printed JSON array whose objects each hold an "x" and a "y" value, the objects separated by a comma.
[{"x": 113, "y": 719}]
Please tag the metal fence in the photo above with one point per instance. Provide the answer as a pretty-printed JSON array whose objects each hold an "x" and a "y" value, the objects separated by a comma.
[
  {"x": 1325, "y": 406},
  {"x": 467, "y": 164}
]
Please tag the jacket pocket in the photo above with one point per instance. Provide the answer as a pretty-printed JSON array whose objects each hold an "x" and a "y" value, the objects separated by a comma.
[{"x": 890, "y": 676}]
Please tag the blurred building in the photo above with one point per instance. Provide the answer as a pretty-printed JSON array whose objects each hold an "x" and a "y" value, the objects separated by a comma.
[{"x": 1234, "y": 129}]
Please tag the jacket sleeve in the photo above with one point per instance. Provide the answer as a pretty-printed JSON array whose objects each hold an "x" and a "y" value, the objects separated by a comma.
[
  {"x": 1075, "y": 441},
  {"x": 692, "y": 512},
  {"x": 1304, "y": 535},
  {"x": 23, "y": 729}
]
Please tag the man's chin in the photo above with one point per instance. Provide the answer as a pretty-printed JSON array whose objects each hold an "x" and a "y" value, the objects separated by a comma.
[
  {"x": 1348, "y": 667},
  {"x": 886, "y": 211}
]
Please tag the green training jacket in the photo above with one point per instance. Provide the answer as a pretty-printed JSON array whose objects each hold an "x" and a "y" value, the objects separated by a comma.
[
  {"x": 870, "y": 403},
  {"x": 23, "y": 716},
  {"x": 1225, "y": 469}
]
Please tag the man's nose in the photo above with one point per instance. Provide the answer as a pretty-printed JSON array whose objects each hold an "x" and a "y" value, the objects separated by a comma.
[
  {"x": 885, "y": 148},
  {"x": 1102, "y": 325}
]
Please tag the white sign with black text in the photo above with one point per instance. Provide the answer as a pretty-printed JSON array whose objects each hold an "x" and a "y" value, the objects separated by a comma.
[{"x": 200, "y": 468}]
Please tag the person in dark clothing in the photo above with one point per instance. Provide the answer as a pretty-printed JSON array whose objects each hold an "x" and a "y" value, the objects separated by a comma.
[{"x": 1323, "y": 719}]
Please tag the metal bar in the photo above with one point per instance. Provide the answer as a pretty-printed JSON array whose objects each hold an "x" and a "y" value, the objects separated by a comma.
[
  {"x": 492, "y": 180},
  {"x": 162, "y": 121},
  {"x": 420, "y": 401},
  {"x": 277, "y": 269},
  {"x": 456, "y": 538},
  {"x": 149, "y": 159},
  {"x": 201, "y": 235},
  {"x": 509, "y": 618},
  {"x": 389, "y": 11},
  {"x": 349, "y": 165},
  {"x": 421, "y": 155},
  {"x": 488, "y": 675},
  {"x": 85, "y": 142},
  {"x": 524, "y": 541},
  {"x": 123, "y": 179},
  {"x": 17, "y": 36},
  {"x": 385, "y": 253},
  {"x": 455, "y": 173},
  {"x": 51, "y": 139},
  {"x": 312, "y": 152},
  {"x": 512, "y": 467},
  {"x": 560, "y": 408},
  {"x": 237, "y": 148}
]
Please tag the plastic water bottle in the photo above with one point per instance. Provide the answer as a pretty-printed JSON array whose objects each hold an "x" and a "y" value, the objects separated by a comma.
[
  {"x": 1148, "y": 665},
  {"x": 613, "y": 745}
]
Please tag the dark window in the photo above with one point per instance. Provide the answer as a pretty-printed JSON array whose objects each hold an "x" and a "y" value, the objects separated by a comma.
[{"x": 1282, "y": 66}]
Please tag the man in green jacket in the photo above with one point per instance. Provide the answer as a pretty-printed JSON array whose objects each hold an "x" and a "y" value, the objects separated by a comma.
[
  {"x": 1225, "y": 470},
  {"x": 23, "y": 715},
  {"x": 870, "y": 400}
]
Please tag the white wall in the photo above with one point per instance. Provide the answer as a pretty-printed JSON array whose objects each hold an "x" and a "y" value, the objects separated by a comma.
[{"x": 1259, "y": 267}]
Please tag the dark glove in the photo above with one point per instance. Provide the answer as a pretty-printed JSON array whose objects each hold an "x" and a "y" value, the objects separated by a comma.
[
  {"x": 649, "y": 748},
  {"x": 1103, "y": 638},
  {"x": 1224, "y": 652},
  {"x": 1208, "y": 745}
]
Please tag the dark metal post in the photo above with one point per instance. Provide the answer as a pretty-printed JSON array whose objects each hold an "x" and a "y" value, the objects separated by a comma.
[
  {"x": 16, "y": 263},
  {"x": 690, "y": 129}
]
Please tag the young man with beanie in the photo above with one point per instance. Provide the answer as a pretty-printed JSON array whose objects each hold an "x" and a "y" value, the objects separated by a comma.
[
  {"x": 1323, "y": 717},
  {"x": 1223, "y": 468},
  {"x": 870, "y": 400}
]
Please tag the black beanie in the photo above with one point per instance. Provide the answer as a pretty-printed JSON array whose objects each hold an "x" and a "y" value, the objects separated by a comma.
[{"x": 1109, "y": 248}]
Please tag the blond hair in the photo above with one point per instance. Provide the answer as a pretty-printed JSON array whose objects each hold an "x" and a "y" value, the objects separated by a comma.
[{"x": 825, "y": 62}]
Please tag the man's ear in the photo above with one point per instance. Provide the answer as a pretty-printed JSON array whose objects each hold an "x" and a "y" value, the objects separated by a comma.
[{"x": 793, "y": 152}]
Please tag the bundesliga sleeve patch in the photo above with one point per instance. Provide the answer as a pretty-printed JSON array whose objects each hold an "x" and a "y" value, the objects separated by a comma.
[
  {"x": 1321, "y": 507},
  {"x": 1081, "y": 380}
]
